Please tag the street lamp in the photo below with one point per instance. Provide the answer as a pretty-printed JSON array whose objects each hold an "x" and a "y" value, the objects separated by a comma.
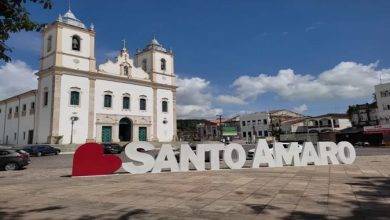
[
  {"x": 220, "y": 126},
  {"x": 72, "y": 119}
]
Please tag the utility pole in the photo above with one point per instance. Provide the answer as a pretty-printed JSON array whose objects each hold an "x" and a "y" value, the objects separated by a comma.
[{"x": 220, "y": 125}]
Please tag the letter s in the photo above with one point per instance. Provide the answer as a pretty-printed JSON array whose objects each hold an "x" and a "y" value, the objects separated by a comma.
[{"x": 132, "y": 153}]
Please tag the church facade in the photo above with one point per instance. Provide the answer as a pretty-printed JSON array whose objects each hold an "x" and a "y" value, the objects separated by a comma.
[{"x": 132, "y": 98}]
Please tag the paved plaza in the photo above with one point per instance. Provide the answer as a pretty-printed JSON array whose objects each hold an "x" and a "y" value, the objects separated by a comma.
[{"x": 358, "y": 191}]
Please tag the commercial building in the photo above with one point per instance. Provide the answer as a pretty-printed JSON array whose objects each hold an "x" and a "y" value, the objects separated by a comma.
[
  {"x": 363, "y": 114},
  {"x": 265, "y": 124}
]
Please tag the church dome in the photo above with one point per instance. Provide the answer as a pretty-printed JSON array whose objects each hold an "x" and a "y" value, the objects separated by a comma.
[
  {"x": 70, "y": 18},
  {"x": 154, "y": 44},
  {"x": 69, "y": 14}
]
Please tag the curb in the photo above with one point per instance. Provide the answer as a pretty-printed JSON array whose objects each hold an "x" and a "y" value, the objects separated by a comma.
[{"x": 66, "y": 153}]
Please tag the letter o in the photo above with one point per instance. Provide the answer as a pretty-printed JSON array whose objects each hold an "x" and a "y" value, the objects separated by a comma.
[
  {"x": 346, "y": 152},
  {"x": 227, "y": 156}
]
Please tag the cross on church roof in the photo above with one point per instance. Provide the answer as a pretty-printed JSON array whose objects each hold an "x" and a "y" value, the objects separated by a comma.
[{"x": 124, "y": 44}]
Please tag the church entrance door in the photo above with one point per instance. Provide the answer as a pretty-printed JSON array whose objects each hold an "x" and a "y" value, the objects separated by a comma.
[
  {"x": 125, "y": 129},
  {"x": 142, "y": 134},
  {"x": 106, "y": 134}
]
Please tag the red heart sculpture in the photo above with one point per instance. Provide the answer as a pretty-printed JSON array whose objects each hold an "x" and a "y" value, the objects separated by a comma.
[{"x": 89, "y": 159}]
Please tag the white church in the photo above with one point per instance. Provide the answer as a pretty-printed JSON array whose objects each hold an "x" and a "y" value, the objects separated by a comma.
[{"x": 130, "y": 99}]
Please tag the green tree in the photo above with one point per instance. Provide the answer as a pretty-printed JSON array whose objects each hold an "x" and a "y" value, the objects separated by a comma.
[{"x": 14, "y": 17}]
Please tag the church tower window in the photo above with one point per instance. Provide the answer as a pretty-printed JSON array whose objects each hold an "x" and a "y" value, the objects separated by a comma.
[
  {"x": 163, "y": 64},
  {"x": 45, "y": 96},
  {"x": 74, "y": 98},
  {"x": 144, "y": 64},
  {"x": 126, "y": 70},
  {"x": 76, "y": 43},
  {"x": 164, "y": 105},
  {"x": 49, "y": 42}
]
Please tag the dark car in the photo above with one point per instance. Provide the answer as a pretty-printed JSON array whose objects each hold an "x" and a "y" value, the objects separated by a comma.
[
  {"x": 362, "y": 144},
  {"x": 110, "y": 148},
  {"x": 13, "y": 159},
  {"x": 40, "y": 150}
]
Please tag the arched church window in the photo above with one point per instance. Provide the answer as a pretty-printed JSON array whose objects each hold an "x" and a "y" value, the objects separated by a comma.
[
  {"x": 126, "y": 102},
  {"x": 144, "y": 64},
  {"x": 126, "y": 70},
  {"x": 107, "y": 99},
  {"x": 49, "y": 41},
  {"x": 45, "y": 96},
  {"x": 74, "y": 98},
  {"x": 142, "y": 103},
  {"x": 75, "y": 42},
  {"x": 163, "y": 64},
  {"x": 164, "y": 105}
]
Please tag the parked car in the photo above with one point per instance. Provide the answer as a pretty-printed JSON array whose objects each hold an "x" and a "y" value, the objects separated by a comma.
[
  {"x": 40, "y": 150},
  {"x": 111, "y": 148},
  {"x": 362, "y": 144},
  {"x": 11, "y": 159}
]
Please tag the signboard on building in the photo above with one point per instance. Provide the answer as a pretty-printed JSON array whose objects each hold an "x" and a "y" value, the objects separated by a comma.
[
  {"x": 229, "y": 131},
  {"x": 377, "y": 129}
]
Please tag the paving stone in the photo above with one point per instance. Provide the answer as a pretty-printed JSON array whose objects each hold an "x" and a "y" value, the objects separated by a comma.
[{"x": 358, "y": 191}]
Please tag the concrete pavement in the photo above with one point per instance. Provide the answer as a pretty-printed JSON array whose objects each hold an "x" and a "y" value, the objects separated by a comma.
[{"x": 45, "y": 191}]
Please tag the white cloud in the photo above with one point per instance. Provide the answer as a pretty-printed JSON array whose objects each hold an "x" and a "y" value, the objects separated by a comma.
[
  {"x": 228, "y": 99},
  {"x": 314, "y": 26},
  {"x": 194, "y": 99},
  {"x": 16, "y": 77},
  {"x": 300, "y": 109},
  {"x": 111, "y": 54},
  {"x": 346, "y": 80}
]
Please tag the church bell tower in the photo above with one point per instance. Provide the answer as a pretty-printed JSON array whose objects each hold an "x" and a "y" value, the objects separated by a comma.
[
  {"x": 67, "y": 47},
  {"x": 68, "y": 43}
]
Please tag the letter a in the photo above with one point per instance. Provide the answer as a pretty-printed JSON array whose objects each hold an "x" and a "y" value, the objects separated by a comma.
[{"x": 262, "y": 155}]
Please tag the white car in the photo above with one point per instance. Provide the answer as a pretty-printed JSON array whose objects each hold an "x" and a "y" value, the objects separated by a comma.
[{"x": 251, "y": 152}]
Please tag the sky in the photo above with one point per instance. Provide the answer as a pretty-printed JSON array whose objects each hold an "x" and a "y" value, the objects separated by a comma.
[{"x": 234, "y": 57}]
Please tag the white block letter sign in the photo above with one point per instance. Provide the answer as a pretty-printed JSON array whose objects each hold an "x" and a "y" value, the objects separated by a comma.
[
  {"x": 327, "y": 153},
  {"x": 289, "y": 156},
  {"x": 262, "y": 155},
  {"x": 309, "y": 155},
  {"x": 346, "y": 152},
  {"x": 213, "y": 150},
  {"x": 170, "y": 162},
  {"x": 132, "y": 153},
  {"x": 187, "y": 156},
  {"x": 228, "y": 157}
]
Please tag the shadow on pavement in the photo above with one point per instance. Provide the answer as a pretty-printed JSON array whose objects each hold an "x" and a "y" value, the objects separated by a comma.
[
  {"x": 24, "y": 213},
  {"x": 373, "y": 194},
  {"x": 127, "y": 215}
]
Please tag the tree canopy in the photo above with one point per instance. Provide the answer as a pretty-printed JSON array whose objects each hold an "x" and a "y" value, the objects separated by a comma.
[{"x": 14, "y": 17}]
